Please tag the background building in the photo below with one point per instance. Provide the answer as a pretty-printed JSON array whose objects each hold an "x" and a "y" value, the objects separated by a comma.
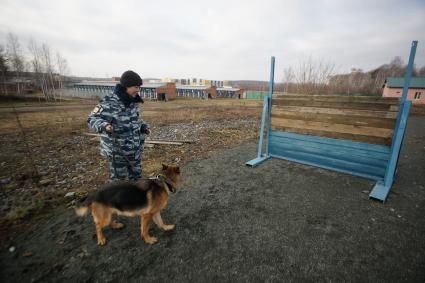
[{"x": 393, "y": 87}]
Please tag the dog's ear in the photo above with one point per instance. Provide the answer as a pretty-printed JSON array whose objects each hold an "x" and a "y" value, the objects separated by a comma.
[{"x": 164, "y": 166}]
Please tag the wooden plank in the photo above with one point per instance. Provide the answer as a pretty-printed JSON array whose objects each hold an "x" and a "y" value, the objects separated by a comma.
[
  {"x": 343, "y": 136},
  {"x": 366, "y": 171},
  {"x": 147, "y": 141},
  {"x": 337, "y": 104},
  {"x": 331, "y": 161},
  {"x": 333, "y": 111},
  {"x": 162, "y": 142},
  {"x": 331, "y": 127},
  {"x": 346, "y": 99},
  {"x": 333, "y": 151},
  {"x": 334, "y": 142},
  {"x": 178, "y": 141},
  {"x": 360, "y": 149},
  {"x": 332, "y": 118}
]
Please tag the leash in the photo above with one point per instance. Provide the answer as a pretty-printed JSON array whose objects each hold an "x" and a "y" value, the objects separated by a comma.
[
  {"x": 118, "y": 146},
  {"x": 169, "y": 184},
  {"x": 161, "y": 177}
]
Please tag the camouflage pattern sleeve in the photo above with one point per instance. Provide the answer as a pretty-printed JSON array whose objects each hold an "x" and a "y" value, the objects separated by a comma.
[{"x": 99, "y": 118}]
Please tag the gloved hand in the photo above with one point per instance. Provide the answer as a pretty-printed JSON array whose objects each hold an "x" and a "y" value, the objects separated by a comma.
[
  {"x": 148, "y": 131},
  {"x": 109, "y": 129}
]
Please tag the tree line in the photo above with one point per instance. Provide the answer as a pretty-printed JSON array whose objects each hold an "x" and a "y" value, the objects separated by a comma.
[
  {"x": 319, "y": 77},
  {"x": 48, "y": 68}
]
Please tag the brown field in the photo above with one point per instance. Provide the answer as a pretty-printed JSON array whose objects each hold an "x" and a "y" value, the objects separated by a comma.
[{"x": 49, "y": 156}]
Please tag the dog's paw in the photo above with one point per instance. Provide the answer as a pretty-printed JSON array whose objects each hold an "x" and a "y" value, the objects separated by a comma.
[
  {"x": 151, "y": 240},
  {"x": 101, "y": 241},
  {"x": 169, "y": 227}
]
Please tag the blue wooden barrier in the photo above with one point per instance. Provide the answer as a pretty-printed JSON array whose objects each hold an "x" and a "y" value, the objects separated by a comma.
[{"x": 353, "y": 156}]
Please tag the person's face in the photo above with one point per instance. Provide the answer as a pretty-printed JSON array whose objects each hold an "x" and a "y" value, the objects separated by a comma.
[{"x": 133, "y": 90}]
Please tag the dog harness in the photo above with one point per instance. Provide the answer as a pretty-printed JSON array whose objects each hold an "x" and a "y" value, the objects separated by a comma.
[{"x": 167, "y": 182}]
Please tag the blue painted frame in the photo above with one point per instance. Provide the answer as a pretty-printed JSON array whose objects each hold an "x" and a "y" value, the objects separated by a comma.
[
  {"x": 376, "y": 162},
  {"x": 261, "y": 157},
  {"x": 267, "y": 106}
]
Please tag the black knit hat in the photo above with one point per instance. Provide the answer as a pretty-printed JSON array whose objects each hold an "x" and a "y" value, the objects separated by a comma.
[{"x": 130, "y": 78}]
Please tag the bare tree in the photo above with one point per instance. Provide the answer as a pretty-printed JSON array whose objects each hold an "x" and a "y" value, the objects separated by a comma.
[
  {"x": 3, "y": 67},
  {"x": 396, "y": 68},
  {"x": 49, "y": 69},
  {"x": 43, "y": 68},
  {"x": 324, "y": 71},
  {"x": 288, "y": 78},
  {"x": 38, "y": 68},
  {"x": 15, "y": 55},
  {"x": 312, "y": 77},
  {"x": 421, "y": 72},
  {"x": 63, "y": 69}
]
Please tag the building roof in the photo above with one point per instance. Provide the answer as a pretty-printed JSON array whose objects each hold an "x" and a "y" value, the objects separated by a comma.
[
  {"x": 153, "y": 85},
  {"x": 397, "y": 82},
  {"x": 112, "y": 84},
  {"x": 192, "y": 87}
]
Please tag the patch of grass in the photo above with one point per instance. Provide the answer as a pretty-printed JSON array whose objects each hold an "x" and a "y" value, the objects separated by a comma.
[
  {"x": 8, "y": 187},
  {"x": 17, "y": 213},
  {"x": 39, "y": 204},
  {"x": 81, "y": 192},
  {"x": 23, "y": 211},
  {"x": 154, "y": 112},
  {"x": 151, "y": 167},
  {"x": 102, "y": 163},
  {"x": 54, "y": 137}
]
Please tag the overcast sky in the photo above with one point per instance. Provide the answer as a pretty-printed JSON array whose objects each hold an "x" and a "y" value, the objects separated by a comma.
[{"x": 220, "y": 39}]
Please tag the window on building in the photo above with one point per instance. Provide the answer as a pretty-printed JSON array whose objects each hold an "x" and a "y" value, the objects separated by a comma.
[{"x": 418, "y": 95}]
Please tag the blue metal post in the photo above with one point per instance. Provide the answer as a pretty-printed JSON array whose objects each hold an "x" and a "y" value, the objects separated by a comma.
[
  {"x": 402, "y": 108},
  {"x": 261, "y": 157},
  {"x": 263, "y": 118},
  {"x": 266, "y": 107},
  {"x": 409, "y": 70},
  {"x": 389, "y": 174},
  {"x": 271, "y": 86},
  {"x": 406, "y": 84},
  {"x": 382, "y": 188}
]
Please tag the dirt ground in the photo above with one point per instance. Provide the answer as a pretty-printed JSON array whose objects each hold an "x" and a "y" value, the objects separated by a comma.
[
  {"x": 280, "y": 221},
  {"x": 45, "y": 154}
]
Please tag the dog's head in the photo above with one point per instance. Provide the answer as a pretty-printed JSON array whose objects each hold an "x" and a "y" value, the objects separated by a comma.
[{"x": 172, "y": 172}]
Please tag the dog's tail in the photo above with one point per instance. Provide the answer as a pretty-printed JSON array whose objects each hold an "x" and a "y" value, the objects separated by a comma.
[{"x": 83, "y": 205}]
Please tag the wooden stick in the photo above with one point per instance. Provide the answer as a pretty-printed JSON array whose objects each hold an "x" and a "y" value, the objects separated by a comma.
[
  {"x": 180, "y": 141},
  {"x": 149, "y": 141},
  {"x": 162, "y": 142}
]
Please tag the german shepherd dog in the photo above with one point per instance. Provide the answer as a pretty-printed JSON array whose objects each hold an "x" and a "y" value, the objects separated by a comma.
[{"x": 145, "y": 198}]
